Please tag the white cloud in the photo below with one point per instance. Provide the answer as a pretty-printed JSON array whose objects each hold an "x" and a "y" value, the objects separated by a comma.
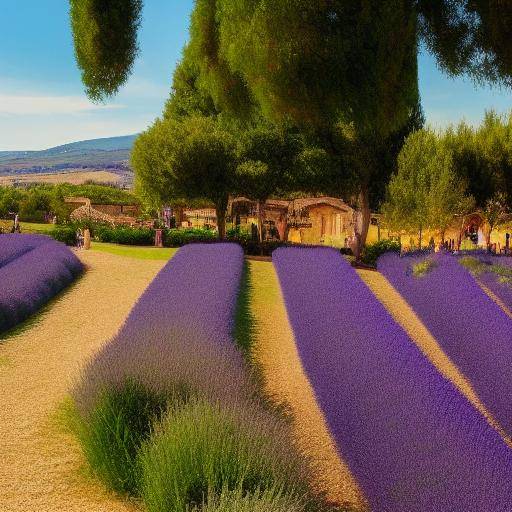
[{"x": 11, "y": 104}]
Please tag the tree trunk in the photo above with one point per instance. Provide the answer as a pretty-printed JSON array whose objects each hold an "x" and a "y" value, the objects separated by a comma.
[
  {"x": 261, "y": 216},
  {"x": 221, "y": 221},
  {"x": 364, "y": 205}
]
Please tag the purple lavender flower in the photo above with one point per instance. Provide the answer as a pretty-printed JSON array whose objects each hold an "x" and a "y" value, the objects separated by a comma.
[
  {"x": 473, "y": 331},
  {"x": 33, "y": 269},
  {"x": 179, "y": 332},
  {"x": 413, "y": 442}
]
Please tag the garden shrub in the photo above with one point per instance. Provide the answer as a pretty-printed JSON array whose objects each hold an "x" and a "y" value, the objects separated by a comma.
[
  {"x": 65, "y": 234},
  {"x": 259, "y": 501},
  {"x": 372, "y": 252},
  {"x": 124, "y": 235},
  {"x": 180, "y": 237},
  {"x": 205, "y": 448},
  {"x": 114, "y": 431}
]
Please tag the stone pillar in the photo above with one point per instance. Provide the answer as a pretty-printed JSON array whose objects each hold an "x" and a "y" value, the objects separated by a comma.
[
  {"x": 159, "y": 242},
  {"x": 87, "y": 239}
]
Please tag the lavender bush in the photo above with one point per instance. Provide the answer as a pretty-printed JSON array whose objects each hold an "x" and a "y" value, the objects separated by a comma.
[
  {"x": 413, "y": 442},
  {"x": 473, "y": 331},
  {"x": 178, "y": 332},
  {"x": 33, "y": 269},
  {"x": 12, "y": 246},
  {"x": 175, "y": 351}
]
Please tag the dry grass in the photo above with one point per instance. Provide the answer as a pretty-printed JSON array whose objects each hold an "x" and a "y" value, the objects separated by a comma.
[
  {"x": 41, "y": 467},
  {"x": 286, "y": 383},
  {"x": 73, "y": 177},
  {"x": 407, "y": 318}
]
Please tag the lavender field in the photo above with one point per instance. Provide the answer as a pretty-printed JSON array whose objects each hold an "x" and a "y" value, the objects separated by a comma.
[
  {"x": 413, "y": 442},
  {"x": 176, "y": 385},
  {"x": 33, "y": 269},
  {"x": 470, "y": 327}
]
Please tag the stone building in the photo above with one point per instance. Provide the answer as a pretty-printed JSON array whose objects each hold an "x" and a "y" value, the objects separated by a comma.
[{"x": 313, "y": 220}]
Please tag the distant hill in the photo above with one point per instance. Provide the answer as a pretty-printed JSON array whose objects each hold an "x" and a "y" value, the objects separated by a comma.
[
  {"x": 124, "y": 142},
  {"x": 112, "y": 153}
]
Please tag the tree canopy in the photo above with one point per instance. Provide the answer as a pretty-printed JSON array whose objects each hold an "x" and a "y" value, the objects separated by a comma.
[
  {"x": 426, "y": 192},
  {"x": 105, "y": 38}
]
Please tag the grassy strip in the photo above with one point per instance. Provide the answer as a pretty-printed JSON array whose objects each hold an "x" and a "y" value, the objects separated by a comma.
[{"x": 142, "y": 253}]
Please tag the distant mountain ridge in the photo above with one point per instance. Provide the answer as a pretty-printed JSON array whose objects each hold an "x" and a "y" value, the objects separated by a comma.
[
  {"x": 124, "y": 142},
  {"x": 104, "y": 153}
]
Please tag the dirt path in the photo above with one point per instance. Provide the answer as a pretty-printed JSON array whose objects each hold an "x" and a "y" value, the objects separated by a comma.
[
  {"x": 286, "y": 383},
  {"x": 41, "y": 468},
  {"x": 404, "y": 315}
]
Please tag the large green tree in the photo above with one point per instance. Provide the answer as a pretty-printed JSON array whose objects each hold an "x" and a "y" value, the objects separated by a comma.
[
  {"x": 346, "y": 66},
  {"x": 186, "y": 159},
  {"x": 426, "y": 192}
]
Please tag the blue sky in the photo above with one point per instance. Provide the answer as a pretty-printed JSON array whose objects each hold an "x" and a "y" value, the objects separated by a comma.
[{"x": 42, "y": 103}]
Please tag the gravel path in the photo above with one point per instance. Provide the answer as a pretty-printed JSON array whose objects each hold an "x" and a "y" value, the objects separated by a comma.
[
  {"x": 41, "y": 468},
  {"x": 285, "y": 381}
]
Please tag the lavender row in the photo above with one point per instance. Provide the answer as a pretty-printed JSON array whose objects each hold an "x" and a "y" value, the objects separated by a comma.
[
  {"x": 179, "y": 332},
  {"x": 13, "y": 246},
  {"x": 472, "y": 330},
  {"x": 413, "y": 442},
  {"x": 41, "y": 271},
  {"x": 500, "y": 283}
]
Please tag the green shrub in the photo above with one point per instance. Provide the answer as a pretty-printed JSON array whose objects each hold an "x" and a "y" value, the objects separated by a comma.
[
  {"x": 124, "y": 235},
  {"x": 180, "y": 237},
  {"x": 113, "y": 432},
  {"x": 202, "y": 449},
  {"x": 423, "y": 267},
  {"x": 259, "y": 501},
  {"x": 372, "y": 252},
  {"x": 65, "y": 234}
]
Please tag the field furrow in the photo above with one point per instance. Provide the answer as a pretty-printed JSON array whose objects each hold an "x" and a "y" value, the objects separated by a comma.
[
  {"x": 285, "y": 382},
  {"x": 41, "y": 467},
  {"x": 470, "y": 327},
  {"x": 405, "y": 316},
  {"x": 411, "y": 439}
]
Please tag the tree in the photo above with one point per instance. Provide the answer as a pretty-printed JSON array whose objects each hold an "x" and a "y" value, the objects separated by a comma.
[
  {"x": 267, "y": 155},
  {"x": 105, "y": 38},
  {"x": 329, "y": 66},
  {"x": 192, "y": 159},
  {"x": 425, "y": 193},
  {"x": 492, "y": 214}
]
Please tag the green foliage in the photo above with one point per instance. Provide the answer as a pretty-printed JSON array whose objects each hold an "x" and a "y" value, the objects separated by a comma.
[
  {"x": 469, "y": 37},
  {"x": 423, "y": 267},
  {"x": 282, "y": 50},
  {"x": 271, "y": 500},
  {"x": 105, "y": 38},
  {"x": 112, "y": 434},
  {"x": 203, "y": 449},
  {"x": 372, "y": 252},
  {"x": 180, "y": 237},
  {"x": 124, "y": 235},
  {"x": 190, "y": 159},
  {"x": 65, "y": 234},
  {"x": 425, "y": 193},
  {"x": 483, "y": 156}
]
